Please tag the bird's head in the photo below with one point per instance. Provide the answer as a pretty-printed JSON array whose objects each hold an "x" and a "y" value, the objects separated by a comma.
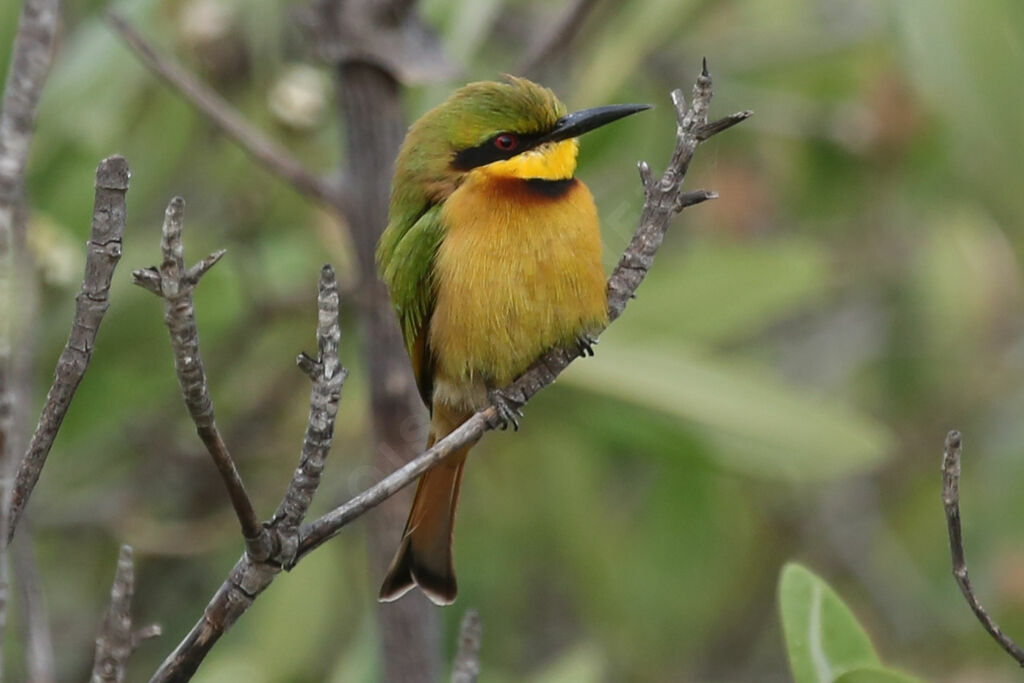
[{"x": 514, "y": 129}]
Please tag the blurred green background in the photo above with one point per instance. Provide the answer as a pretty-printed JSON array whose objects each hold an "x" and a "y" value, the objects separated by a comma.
[{"x": 779, "y": 390}]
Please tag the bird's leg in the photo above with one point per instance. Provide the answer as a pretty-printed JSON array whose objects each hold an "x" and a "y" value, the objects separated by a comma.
[
  {"x": 509, "y": 409},
  {"x": 585, "y": 343}
]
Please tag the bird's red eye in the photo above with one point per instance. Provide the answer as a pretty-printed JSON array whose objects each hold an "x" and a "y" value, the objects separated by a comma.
[{"x": 506, "y": 142}]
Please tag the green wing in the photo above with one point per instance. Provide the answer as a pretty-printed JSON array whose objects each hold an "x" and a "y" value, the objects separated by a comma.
[{"x": 406, "y": 262}]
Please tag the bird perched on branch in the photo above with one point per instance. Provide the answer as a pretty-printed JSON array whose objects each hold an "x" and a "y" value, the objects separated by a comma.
[{"x": 492, "y": 254}]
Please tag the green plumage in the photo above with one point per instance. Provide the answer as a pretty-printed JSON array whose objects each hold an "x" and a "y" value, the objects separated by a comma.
[{"x": 424, "y": 178}]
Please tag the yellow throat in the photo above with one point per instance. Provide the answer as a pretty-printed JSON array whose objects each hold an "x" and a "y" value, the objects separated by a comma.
[{"x": 550, "y": 161}]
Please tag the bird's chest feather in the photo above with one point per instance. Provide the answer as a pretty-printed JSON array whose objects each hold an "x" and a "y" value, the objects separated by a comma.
[{"x": 519, "y": 271}]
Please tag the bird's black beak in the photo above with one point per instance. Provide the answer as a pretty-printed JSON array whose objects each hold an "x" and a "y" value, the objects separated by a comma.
[{"x": 580, "y": 122}]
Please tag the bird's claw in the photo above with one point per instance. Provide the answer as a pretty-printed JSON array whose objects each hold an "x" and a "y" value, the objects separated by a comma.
[
  {"x": 585, "y": 343},
  {"x": 508, "y": 408}
]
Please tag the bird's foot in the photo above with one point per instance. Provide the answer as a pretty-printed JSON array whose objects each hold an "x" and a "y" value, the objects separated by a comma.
[
  {"x": 585, "y": 343},
  {"x": 509, "y": 409}
]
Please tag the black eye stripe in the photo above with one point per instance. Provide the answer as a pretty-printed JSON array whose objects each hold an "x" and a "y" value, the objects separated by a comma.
[{"x": 487, "y": 152}]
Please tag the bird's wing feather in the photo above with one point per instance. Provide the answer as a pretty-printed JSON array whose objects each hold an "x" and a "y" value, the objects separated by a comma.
[{"x": 407, "y": 267}]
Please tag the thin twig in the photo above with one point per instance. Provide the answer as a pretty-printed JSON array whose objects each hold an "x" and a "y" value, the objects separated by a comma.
[
  {"x": 664, "y": 199},
  {"x": 251, "y": 577},
  {"x": 108, "y": 218},
  {"x": 327, "y": 526},
  {"x": 951, "y": 502},
  {"x": 39, "y": 658},
  {"x": 31, "y": 56},
  {"x": 328, "y": 376},
  {"x": 558, "y": 38},
  {"x": 467, "y": 660},
  {"x": 267, "y": 153},
  {"x": 116, "y": 639},
  {"x": 174, "y": 283}
]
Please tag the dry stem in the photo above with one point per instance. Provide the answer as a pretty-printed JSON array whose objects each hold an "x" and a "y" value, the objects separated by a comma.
[{"x": 951, "y": 502}]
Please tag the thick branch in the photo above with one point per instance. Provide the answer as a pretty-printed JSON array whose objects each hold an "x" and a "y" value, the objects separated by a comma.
[
  {"x": 664, "y": 199},
  {"x": 173, "y": 282},
  {"x": 467, "y": 661},
  {"x": 91, "y": 304},
  {"x": 250, "y": 577},
  {"x": 116, "y": 639},
  {"x": 374, "y": 124},
  {"x": 951, "y": 502},
  {"x": 268, "y": 154}
]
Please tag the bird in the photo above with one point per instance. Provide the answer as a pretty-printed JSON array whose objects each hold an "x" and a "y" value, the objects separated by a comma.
[{"x": 492, "y": 256}]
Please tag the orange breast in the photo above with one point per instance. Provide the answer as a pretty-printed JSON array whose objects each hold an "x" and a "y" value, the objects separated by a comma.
[{"x": 519, "y": 271}]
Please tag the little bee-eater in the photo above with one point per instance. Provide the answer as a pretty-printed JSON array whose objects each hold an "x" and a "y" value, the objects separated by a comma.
[{"x": 492, "y": 254}]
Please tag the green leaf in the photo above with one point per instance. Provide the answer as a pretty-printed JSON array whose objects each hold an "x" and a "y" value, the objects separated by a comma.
[
  {"x": 761, "y": 425},
  {"x": 873, "y": 674},
  {"x": 721, "y": 291},
  {"x": 823, "y": 638}
]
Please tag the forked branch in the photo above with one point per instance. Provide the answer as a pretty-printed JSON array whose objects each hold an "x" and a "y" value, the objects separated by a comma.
[
  {"x": 174, "y": 283},
  {"x": 117, "y": 638},
  {"x": 251, "y": 575}
]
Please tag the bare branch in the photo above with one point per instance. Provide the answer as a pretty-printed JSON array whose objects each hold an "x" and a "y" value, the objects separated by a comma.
[
  {"x": 39, "y": 657},
  {"x": 951, "y": 502},
  {"x": 176, "y": 283},
  {"x": 31, "y": 55},
  {"x": 373, "y": 124},
  {"x": 326, "y": 527},
  {"x": 558, "y": 38},
  {"x": 386, "y": 35},
  {"x": 268, "y": 154},
  {"x": 696, "y": 197},
  {"x": 91, "y": 304},
  {"x": 467, "y": 660},
  {"x": 116, "y": 640},
  {"x": 665, "y": 199},
  {"x": 199, "y": 269},
  {"x": 250, "y": 576},
  {"x": 328, "y": 377},
  {"x": 716, "y": 127}
]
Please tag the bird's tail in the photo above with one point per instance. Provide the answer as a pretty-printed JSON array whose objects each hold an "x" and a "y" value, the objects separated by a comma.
[{"x": 424, "y": 556}]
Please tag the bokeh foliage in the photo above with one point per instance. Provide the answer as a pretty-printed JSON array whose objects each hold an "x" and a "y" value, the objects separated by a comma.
[
  {"x": 780, "y": 388},
  {"x": 824, "y": 640}
]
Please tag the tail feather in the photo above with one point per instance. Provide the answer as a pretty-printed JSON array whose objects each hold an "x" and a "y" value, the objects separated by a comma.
[
  {"x": 398, "y": 581},
  {"x": 424, "y": 556}
]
